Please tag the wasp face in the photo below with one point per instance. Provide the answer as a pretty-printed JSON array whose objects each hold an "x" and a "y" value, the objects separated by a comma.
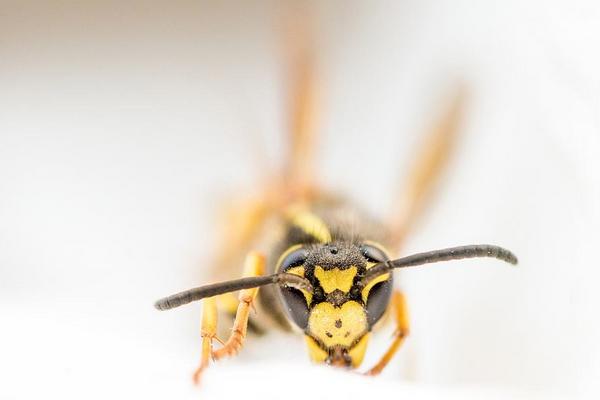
[{"x": 339, "y": 314}]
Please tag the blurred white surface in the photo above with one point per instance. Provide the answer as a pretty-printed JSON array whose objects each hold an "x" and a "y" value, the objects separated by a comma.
[{"x": 121, "y": 125}]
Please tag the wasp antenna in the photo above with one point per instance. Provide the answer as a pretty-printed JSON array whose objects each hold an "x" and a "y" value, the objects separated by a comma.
[
  {"x": 456, "y": 253},
  {"x": 294, "y": 281},
  {"x": 452, "y": 253},
  {"x": 202, "y": 292},
  {"x": 215, "y": 289}
]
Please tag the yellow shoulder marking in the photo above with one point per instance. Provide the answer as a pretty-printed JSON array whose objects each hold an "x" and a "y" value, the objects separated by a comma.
[
  {"x": 336, "y": 278},
  {"x": 311, "y": 224}
]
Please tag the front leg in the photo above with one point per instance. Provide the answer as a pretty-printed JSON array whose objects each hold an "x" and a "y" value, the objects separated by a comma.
[
  {"x": 401, "y": 332},
  {"x": 208, "y": 332},
  {"x": 254, "y": 266}
]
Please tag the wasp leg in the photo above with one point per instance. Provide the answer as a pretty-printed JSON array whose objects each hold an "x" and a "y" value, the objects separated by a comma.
[
  {"x": 425, "y": 172},
  {"x": 229, "y": 303},
  {"x": 254, "y": 266},
  {"x": 401, "y": 332},
  {"x": 208, "y": 332}
]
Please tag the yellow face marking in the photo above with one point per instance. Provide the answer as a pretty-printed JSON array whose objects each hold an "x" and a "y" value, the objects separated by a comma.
[
  {"x": 336, "y": 278},
  {"x": 341, "y": 326},
  {"x": 311, "y": 224},
  {"x": 296, "y": 271},
  {"x": 316, "y": 353},
  {"x": 357, "y": 353},
  {"x": 300, "y": 272}
]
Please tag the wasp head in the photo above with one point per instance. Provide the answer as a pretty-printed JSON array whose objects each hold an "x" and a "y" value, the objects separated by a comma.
[{"x": 338, "y": 313}]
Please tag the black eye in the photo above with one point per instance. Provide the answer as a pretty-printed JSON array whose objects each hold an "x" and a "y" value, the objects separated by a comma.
[
  {"x": 294, "y": 302},
  {"x": 373, "y": 254},
  {"x": 295, "y": 259},
  {"x": 295, "y": 306},
  {"x": 378, "y": 300}
]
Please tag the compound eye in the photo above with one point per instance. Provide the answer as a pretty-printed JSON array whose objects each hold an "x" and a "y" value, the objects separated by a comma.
[
  {"x": 295, "y": 306},
  {"x": 379, "y": 294},
  {"x": 378, "y": 301},
  {"x": 295, "y": 259},
  {"x": 294, "y": 300},
  {"x": 373, "y": 254}
]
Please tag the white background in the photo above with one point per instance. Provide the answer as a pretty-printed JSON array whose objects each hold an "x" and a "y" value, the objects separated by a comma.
[{"x": 122, "y": 125}]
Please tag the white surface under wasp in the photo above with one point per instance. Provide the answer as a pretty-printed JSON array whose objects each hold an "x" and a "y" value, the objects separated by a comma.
[
  {"x": 123, "y": 124},
  {"x": 72, "y": 354}
]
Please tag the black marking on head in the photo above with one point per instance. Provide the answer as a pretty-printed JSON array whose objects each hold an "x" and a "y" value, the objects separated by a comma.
[
  {"x": 338, "y": 323},
  {"x": 318, "y": 293},
  {"x": 337, "y": 298},
  {"x": 340, "y": 255},
  {"x": 344, "y": 256}
]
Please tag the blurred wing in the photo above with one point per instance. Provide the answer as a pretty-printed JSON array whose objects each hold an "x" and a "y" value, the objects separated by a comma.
[{"x": 431, "y": 158}]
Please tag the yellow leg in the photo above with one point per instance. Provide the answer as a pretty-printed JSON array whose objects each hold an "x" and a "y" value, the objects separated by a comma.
[
  {"x": 254, "y": 266},
  {"x": 429, "y": 163},
  {"x": 402, "y": 329},
  {"x": 208, "y": 332},
  {"x": 228, "y": 302}
]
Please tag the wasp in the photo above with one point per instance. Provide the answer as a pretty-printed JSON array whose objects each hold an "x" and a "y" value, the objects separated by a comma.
[{"x": 313, "y": 262}]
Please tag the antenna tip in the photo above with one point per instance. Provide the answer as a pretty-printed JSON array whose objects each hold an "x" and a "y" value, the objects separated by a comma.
[{"x": 160, "y": 305}]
